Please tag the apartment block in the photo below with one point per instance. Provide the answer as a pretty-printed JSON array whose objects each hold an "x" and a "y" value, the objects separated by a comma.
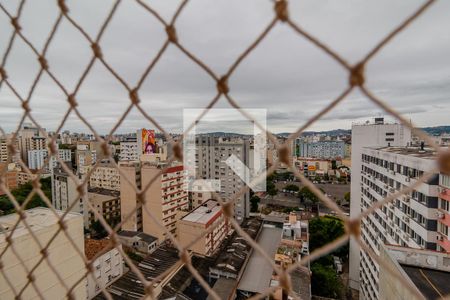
[
  {"x": 194, "y": 225},
  {"x": 4, "y": 154},
  {"x": 166, "y": 198},
  {"x": 322, "y": 149},
  {"x": 129, "y": 151},
  {"x": 106, "y": 203},
  {"x": 129, "y": 204},
  {"x": 105, "y": 176},
  {"x": 37, "y": 159},
  {"x": 212, "y": 152},
  {"x": 409, "y": 221},
  {"x": 108, "y": 265},
  {"x": 370, "y": 134},
  {"x": 10, "y": 176},
  {"x": 66, "y": 260},
  {"x": 65, "y": 194}
]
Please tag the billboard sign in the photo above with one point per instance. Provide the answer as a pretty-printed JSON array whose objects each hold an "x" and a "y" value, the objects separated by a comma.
[{"x": 148, "y": 141}]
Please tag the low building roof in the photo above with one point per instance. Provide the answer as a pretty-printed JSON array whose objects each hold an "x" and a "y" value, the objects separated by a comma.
[
  {"x": 433, "y": 284},
  {"x": 93, "y": 247},
  {"x": 204, "y": 213},
  {"x": 268, "y": 240}
]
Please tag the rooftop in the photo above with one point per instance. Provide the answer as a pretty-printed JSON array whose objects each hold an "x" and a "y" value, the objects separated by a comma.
[
  {"x": 433, "y": 284},
  {"x": 93, "y": 247},
  {"x": 143, "y": 236},
  {"x": 426, "y": 153},
  {"x": 269, "y": 239},
  {"x": 204, "y": 213},
  {"x": 130, "y": 287},
  {"x": 37, "y": 218}
]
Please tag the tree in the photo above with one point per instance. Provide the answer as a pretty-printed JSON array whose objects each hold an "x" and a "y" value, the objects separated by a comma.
[
  {"x": 21, "y": 193},
  {"x": 292, "y": 188},
  {"x": 307, "y": 194},
  {"x": 271, "y": 189},
  {"x": 325, "y": 282},
  {"x": 323, "y": 230},
  {"x": 254, "y": 201}
]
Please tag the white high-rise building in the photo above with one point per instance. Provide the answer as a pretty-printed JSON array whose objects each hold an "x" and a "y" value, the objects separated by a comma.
[
  {"x": 212, "y": 152},
  {"x": 36, "y": 158},
  {"x": 377, "y": 134},
  {"x": 410, "y": 220}
]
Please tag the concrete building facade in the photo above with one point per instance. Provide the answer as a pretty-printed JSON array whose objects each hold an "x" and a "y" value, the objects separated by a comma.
[
  {"x": 212, "y": 152},
  {"x": 108, "y": 265},
  {"x": 322, "y": 149},
  {"x": 197, "y": 222},
  {"x": 66, "y": 260},
  {"x": 376, "y": 134},
  {"x": 65, "y": 194},
  {"x": 105, "y": 176},
  {"x": 129, "y": 151},
  {"x": 411, "y": 220}
]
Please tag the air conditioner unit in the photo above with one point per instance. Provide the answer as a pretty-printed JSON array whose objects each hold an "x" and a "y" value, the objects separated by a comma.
[
  {"x": 392, "y": 190},
  {"x": 439, "y": 237},
  {"x": 407, "y": 179},
  {"x": 393, "y": 172}
]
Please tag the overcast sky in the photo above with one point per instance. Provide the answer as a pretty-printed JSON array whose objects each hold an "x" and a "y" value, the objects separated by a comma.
[{"x": 286, "y": 74}]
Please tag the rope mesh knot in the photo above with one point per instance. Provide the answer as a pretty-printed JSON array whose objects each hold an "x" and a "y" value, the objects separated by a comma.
[
  {"x": 357, "y": 75},
  {"x": 222, "y": 85},
  {"x": 281, "y": 10},
  {"x": 3, "y": 75},
  {"x": 171, "y": 34}
]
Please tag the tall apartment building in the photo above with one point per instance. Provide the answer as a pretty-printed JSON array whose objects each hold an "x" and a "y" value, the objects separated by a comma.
[
  {"x": 30, "y": 138},
  {"x": 322, "y": 149},
  {"x": 409, "y": 221},
  {"x": 376, "y": 134},
  {"x": 4, "y": 154},
  {"x": 63, "y": 256},
  {"x": 36, "y": 158},
  {"x": 105, "y": 176},
  {"x": 87, "y": 153},
  {"x": 64, "y": 194},
  {"x": 197, "y": 222},
  {"x": 129, "y": 151},
  {"x": 212, "y": 152},
  {"x": 129, "y": 204},
  {"x": 166, "y": 198}
]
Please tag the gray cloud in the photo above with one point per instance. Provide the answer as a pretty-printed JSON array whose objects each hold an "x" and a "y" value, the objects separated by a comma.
[{"x": 285, "y": 74}]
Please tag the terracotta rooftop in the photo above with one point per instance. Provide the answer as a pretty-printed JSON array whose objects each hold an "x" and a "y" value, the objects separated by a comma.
[{"x": 92, "y": 247}]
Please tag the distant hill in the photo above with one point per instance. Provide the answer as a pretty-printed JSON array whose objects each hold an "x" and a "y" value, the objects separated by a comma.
[
  {"x": 437, "y": 130},
  {"x": 333, "y": 132}
]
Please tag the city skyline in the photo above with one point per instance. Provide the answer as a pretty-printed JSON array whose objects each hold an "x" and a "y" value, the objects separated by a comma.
[{"x": 292, "y": 82}]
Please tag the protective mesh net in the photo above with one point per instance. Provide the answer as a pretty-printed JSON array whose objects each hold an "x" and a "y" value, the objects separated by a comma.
[{"x": 356, "y": 81}]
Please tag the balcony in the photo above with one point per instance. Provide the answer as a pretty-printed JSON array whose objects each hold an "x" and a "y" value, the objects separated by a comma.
[
  {"x": 444, "y": 193},
  {"x": 443, "y": 217},
  {"x": 443, "y": 241}
]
